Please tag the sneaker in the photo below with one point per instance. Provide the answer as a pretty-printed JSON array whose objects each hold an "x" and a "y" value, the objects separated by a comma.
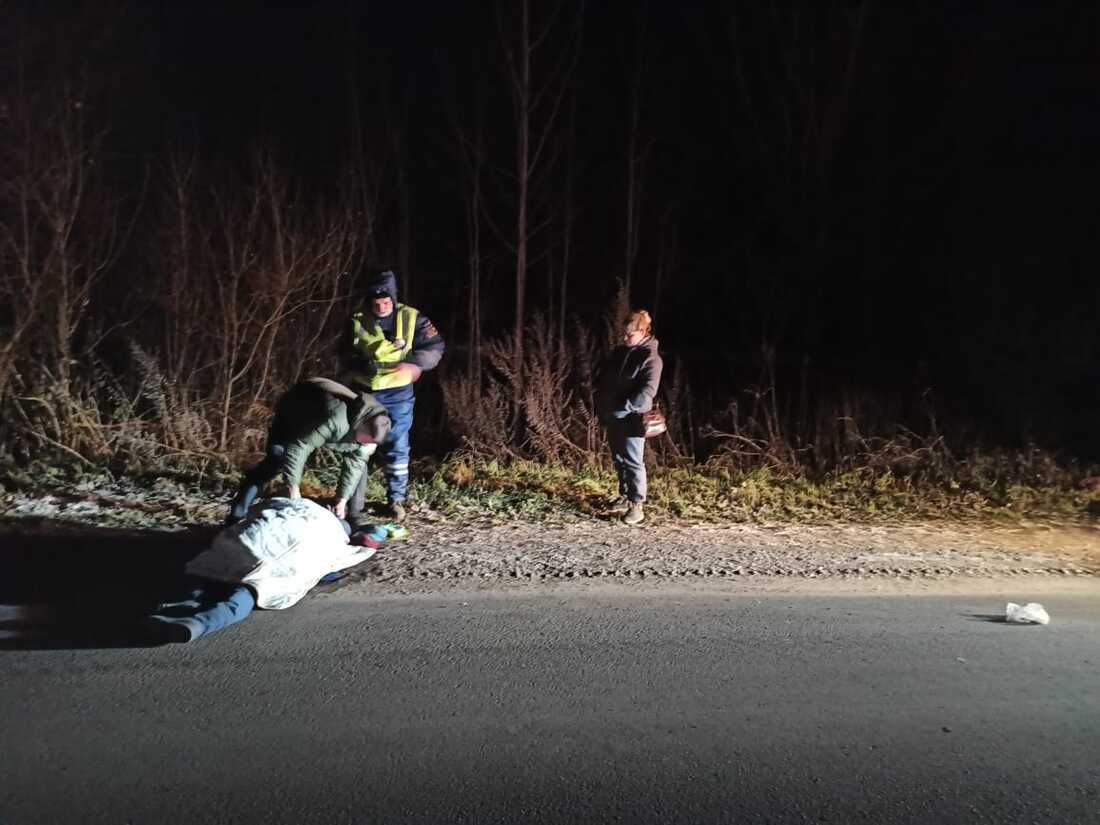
[
  {"x": 395, "y": 532},
  {"x": 634, "y": 513},
  {"x": 396, "y": 512},
  {"x": 618, "y": 505}
]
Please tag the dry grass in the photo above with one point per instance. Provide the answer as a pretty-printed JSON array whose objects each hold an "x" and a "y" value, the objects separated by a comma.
[
  {"x": 545, "y": 453},
  {"x": 252, "y": 293}
]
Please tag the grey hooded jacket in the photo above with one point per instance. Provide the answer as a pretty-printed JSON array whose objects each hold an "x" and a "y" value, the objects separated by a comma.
[{"x": 628, "y": 380}]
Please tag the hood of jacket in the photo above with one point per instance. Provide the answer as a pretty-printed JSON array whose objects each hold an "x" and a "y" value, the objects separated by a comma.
[{"x": 366, "y": 413}]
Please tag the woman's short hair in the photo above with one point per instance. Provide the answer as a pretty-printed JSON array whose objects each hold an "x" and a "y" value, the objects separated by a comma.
[{"x": 640, "y": 319}]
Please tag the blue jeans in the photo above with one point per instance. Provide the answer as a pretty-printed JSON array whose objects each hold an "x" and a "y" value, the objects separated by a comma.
[
  {"x": 253, "y": 481},
  {"x": 628, "y": 456},
  {"x": 207, "y": 606},
  {"x": 392, "y": 454}
]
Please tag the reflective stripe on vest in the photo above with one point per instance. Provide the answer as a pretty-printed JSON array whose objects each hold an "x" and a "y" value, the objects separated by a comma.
[{"x": 370, "y": 342}]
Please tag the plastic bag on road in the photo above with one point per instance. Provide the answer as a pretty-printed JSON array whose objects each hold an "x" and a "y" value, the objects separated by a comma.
[{"x": 1030, "y": 613}]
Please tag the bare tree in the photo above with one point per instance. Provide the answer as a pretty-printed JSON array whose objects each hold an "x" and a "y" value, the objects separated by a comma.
[
  {"x": 398, "y": 137},
  {"x": 62, "y": 227},
  {"x": 667, "y": 251},
  {"x": 255, "y": 280},
  {"x": 182, "y": 249},
  {"x": 638, "y": 146},
  {"x": 539, "y": 72},
  {"x": 471, "y": 152},
  {"x": 793, "y": 78},
  {"x": 568, "y": 212},
  {"x": 360, "y": 185}
]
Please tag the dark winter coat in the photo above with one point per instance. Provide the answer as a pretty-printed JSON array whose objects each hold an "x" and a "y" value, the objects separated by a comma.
[{"x": 628, "y": 381}]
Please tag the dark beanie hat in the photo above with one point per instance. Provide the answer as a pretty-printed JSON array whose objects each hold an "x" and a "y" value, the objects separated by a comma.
[{"x": 384, "y": 284}]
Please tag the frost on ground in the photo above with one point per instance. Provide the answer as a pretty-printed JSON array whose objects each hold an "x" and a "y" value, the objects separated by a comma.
[
  {"x": 162, "y": 504},
  {"x": 593, "y": 548}
]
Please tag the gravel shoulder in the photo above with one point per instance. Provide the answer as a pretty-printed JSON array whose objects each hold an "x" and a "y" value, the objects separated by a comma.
[
  {"x": 837, "y": 552},
  {"x": 485, "y": 551}
]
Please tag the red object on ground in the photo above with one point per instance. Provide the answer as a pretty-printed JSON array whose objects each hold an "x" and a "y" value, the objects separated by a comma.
[{"x": 361, "y": 539}]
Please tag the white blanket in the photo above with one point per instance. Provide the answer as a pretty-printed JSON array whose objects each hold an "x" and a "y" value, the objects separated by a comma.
[{"x": 281, "y": 549}]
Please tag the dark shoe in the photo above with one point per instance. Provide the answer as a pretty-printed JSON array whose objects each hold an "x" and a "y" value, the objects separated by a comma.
[
  {"x": 618, "y": 505},
  {"x": 395, "y": 512},
  {"x": 168, "y": 630},
  {"x": 634, "y": 513}
]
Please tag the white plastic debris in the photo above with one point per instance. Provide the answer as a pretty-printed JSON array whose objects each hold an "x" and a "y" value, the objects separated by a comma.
[{"x": 1030, "y": 613}]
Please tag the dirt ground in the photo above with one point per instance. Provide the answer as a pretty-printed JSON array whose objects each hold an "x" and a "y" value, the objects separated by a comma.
[
  {"x": 842, "y": 552},
  {"x": 487, "y": 551}
]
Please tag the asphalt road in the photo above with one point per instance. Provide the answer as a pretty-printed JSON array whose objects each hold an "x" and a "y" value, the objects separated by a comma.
[{"x": 626, "y": 703}]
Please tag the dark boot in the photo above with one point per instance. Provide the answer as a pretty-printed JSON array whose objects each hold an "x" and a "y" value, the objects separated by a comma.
[{"x": 395, "y": 512}]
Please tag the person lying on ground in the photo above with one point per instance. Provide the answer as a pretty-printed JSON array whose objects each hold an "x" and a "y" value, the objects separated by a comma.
[
  {"x": 314, "y": 413},
  {"x": 269, "y": 560}
]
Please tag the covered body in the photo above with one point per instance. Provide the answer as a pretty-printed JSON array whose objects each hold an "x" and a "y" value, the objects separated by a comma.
[{"x": 280, "y": 550}]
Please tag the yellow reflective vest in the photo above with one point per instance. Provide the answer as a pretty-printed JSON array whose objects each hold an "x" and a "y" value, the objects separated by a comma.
[{"x": 384, "y": 355}]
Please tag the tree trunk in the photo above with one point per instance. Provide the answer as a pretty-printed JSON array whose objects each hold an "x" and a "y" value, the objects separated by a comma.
[{"x": 523, "y": 174}]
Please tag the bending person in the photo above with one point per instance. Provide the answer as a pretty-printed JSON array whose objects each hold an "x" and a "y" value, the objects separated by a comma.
[
  {"x": 629, "y": 378},
  {"x": 315, "y": 413}
]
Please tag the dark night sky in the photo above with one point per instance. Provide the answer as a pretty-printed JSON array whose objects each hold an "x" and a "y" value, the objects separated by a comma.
[{"x": 961, "y": 247}]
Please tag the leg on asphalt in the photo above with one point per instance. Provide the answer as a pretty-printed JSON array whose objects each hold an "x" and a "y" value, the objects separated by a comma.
[{"x": 206, "y": 608}]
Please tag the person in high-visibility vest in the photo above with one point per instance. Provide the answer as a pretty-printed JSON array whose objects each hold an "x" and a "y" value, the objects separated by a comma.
[{"x": 391, "y": 346}]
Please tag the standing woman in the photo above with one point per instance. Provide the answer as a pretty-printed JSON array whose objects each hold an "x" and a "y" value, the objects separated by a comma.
[{"x": 628, "y": 383}]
